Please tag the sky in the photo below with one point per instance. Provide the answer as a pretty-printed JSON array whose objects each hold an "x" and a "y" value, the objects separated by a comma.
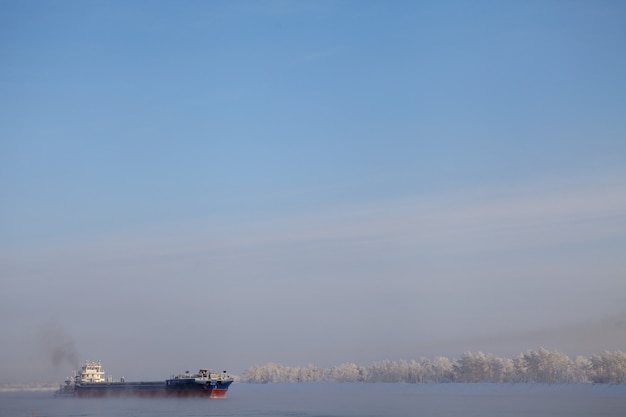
[{"x": 229, "y": 183}]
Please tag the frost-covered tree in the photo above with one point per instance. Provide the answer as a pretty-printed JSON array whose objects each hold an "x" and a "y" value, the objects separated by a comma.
[
  {"x": 548, "y": 367},
  {"x": 478, "y": 367},
  {"x": 437, "y": 370},
  {"x": 580, "y": 369},
  {"x": 383, "y": 371},
  {"x": 309, "y": 373},
  {"x": 541, "y": 366},
  {"x": 503, "y": 368},
  {"x": 347, "y": 372},
  {"x": 608, "y": 368},
  {"x": 415, "y": 374},
  {"x": 265, "y": 374}
]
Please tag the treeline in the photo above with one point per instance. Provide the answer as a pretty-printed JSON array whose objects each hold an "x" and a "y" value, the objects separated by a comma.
[{"x": 540, "y": 366}]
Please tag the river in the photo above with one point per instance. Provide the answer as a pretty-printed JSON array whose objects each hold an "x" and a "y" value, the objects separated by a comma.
[{"x": 344, "y": 400}]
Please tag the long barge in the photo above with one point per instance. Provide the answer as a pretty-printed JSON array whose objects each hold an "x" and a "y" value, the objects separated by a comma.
[{"x": 90, "y": 381}]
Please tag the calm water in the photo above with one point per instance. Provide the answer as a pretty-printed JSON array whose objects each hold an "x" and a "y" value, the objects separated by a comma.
[{"x": 345, "y": 400}]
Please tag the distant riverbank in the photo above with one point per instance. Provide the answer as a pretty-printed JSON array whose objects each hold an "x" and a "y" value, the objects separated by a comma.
[
  {"x": 540, "y": 366},
  {"x": 35, "y": 386}
]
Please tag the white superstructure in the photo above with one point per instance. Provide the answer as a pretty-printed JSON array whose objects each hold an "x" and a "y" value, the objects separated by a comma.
[{"x": 90, "y": 372}]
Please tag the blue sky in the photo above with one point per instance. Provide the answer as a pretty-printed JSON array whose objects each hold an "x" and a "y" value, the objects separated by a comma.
[{"x": 321, "y": 181}]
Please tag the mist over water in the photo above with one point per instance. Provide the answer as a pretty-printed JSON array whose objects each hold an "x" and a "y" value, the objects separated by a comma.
[{"x": 346, "y": 400}]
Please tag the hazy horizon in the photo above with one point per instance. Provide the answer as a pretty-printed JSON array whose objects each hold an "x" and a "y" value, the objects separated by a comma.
[{"x": 225, "y": 184}]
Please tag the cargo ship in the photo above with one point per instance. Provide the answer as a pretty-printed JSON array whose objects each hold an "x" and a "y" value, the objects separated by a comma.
[{"x": 90, "y": 381}]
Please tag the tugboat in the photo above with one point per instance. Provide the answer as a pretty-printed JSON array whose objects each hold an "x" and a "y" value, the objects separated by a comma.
[{"x": 90, "y": 381}]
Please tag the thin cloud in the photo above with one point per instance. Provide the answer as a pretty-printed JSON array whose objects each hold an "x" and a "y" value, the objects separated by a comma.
[
  {"x": 480, "y": 220},
  {"x": 544, "y": 217}
]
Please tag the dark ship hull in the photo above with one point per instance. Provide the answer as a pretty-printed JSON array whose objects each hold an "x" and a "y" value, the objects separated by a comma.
[{"x": 169, "y": 388}]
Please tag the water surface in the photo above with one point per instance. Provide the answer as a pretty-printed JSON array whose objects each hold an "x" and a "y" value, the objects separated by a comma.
[{"x": 344, "y": 400}]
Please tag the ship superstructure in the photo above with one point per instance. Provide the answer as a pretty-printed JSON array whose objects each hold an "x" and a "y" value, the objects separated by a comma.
[{"x": 90, "y": 372}]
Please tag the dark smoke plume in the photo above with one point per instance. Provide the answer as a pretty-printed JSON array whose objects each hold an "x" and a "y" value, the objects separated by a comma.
[{"x": 59, "y": 345}]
